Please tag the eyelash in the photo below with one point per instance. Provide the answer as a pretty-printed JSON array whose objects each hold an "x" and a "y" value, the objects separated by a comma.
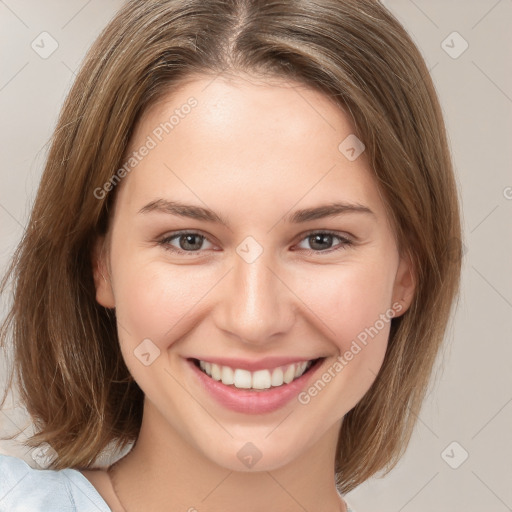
[{"x": 345, "y": 242}]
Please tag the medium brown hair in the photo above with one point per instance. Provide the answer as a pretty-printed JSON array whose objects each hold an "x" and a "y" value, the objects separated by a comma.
[{"x": 68, "y": 364}]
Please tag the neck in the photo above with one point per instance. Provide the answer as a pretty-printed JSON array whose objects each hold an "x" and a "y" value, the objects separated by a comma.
[{"x": 164, "y": 472}]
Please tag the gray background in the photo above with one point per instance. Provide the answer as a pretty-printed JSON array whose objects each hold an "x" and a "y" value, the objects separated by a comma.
[{"x": 468, "y": 411}]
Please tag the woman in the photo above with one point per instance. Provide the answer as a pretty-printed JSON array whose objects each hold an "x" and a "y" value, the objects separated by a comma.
[{"x": 173, "y": 290}]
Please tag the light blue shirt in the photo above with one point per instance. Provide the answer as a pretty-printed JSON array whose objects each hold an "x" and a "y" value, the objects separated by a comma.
[{"x": 25, "y": 489}]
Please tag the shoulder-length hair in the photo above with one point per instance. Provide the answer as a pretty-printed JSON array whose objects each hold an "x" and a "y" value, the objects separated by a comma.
[{"x": 67, "y": 361}]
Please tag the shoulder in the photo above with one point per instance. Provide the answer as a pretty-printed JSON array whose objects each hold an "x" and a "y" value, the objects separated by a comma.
[{"x": 25, "y": 488}]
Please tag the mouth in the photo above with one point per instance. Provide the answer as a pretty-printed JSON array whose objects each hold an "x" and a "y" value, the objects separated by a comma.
[
  {"x": 260, "y": 380},
  {"x": 266, "y": 389}
]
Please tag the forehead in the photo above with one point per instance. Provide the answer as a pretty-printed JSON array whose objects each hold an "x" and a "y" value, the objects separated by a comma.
[{"x": 217, "y": 137}]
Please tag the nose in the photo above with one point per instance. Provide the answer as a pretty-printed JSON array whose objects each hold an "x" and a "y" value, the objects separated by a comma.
[{"x": 255, "y": 305}]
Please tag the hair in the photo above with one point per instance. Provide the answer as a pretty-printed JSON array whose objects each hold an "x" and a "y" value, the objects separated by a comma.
[{"x": 66, "y": 356}]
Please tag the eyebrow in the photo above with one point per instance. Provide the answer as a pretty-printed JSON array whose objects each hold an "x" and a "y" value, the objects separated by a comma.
[{"x": 307, "y": 214}]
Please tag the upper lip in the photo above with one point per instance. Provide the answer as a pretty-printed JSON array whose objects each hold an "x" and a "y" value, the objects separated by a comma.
[{"x": 254, "y": 365}]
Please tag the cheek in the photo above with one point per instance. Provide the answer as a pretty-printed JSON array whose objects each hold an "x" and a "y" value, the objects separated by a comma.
[
  {"x": 352, "y": 305},
  {"x": 354, "y": 302},
  {"x": 155, "y": 300},
  {"x": 349, "y": 298},
  {"x": 164, "y": 302}
]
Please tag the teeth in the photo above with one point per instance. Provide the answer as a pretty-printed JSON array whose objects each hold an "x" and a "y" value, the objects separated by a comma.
[
  {"x": 300, "y": 368},
  {"x": 289, "y": 374},
  {"x": 242, "y": 379},
  {"x": 216, "y": 371},
  {"x": 227, "y": 375},
  {"x": 277, "y": 377},
  {"x": 260, "y": 379}
]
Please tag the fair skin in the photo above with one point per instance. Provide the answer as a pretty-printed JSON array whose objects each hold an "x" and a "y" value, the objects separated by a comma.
[{"x": 253, "y": 151}]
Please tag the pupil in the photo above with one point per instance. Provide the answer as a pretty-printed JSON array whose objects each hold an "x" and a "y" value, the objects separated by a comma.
[
  {"x": 191, "y": 237},
  {"x": 326, "y": 238}
]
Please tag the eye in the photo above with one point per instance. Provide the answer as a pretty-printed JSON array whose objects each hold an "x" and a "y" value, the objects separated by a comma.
[
  {"x": 190, "y": 242},
  {"x": 319, "y": 239}
]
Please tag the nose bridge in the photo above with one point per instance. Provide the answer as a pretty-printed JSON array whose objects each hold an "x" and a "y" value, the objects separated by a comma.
[{"x": 255, "y": 305}]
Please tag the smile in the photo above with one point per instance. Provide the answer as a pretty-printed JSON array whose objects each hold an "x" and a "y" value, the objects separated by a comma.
[
  {"x": 260, "y": 379},
  {"x": 264, "y": 388}
]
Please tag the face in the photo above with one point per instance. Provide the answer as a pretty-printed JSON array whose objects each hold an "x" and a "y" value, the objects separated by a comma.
[{"x": 253, "y": 275}]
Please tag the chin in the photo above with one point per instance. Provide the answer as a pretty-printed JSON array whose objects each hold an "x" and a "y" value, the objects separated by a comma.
[{"x": 251, "y": 456}]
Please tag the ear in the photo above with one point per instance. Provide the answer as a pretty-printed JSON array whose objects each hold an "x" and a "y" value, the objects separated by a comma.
[
  {"x": 101, "y": 274},
  {"x": 405, "y": 285}
]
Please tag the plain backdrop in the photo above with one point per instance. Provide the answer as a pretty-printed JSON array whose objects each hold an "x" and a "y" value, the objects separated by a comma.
[{"x": 460, "y": 456}]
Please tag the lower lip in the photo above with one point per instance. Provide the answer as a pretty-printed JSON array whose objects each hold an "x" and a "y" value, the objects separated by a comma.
[{"x": 253, "y": 402}]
